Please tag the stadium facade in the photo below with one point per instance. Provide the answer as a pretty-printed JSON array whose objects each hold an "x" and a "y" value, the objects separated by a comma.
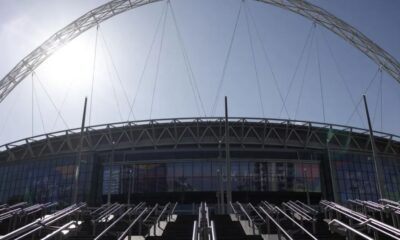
[{"x": 183, "y": 160}]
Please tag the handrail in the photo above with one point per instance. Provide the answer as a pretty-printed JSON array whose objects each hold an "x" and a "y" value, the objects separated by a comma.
[
  {"x": 9, "y": 214},
  {"x": 203, "y": 221},
  {"x": 41, "y": 223},
  {"x": 294, "y": 210},
  {"x": 300, "y": 209},
  {"x": 195, "y": 229},
  {"x": 173, "y": 209},
  {"x": 64, "y": 214},
  {"x": 18, "y": 205},
  {"x": 203, "y": 228},
  {"x": 162, "y": 212},
  {"x": 296, "y": 223},
  {"x": 348, "y": 228},
  {"x": 306, "y": 206},
  {"x": 107, "y": 212},
  {"x": 123, "y": 235},
  {"x": 389, "y": 201},
  {"x": 112, "y": 224},
  {"x": 65, "y": 226},
  {"x": 233, "y": 208},
  {"x": 207, "y": 214},
  {"x": 276, "y": 223},
  {"x": 157, "y": 222},
  {"x": 100, "y": 209},
  {"x": 251, "y": 221},
  {"x": 199, "y": 214},
  {"x": 269, "y": 206},
  {"x": 395, "y": 209},
  {"x": 244, "y": 211},
  {"x": 258, "y": 214},
  {"x": 151, "y": 212},
  {"x": 364, "y": 220},
  {"x": 136, "y": 208},
  {"x": 346, "y": 213},
  {"x": 213, "y": 234}
]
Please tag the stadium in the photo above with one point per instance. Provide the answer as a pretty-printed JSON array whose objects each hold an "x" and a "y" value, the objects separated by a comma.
[
  {"x": 180, "y": 159},
  {"x": 202, "y": 177}
]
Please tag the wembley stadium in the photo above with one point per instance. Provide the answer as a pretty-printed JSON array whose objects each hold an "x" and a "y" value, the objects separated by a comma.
[
  {"x": 183, "y": 160},
  {"x": 202, "y": 177}
]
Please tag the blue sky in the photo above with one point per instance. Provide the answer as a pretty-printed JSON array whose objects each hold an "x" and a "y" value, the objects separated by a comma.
[{"x": 205, "y": 28}]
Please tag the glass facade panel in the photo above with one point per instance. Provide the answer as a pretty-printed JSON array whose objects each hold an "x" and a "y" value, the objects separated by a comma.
[
  {"x": 355, "y": 176},
  {"x": 42, "y": 180},
  {"x": 202, "y": 175}
]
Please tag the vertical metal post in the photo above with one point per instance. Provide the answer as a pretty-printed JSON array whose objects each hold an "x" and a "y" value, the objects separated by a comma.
[
  {"x": 221, "y": 181},
  {"x": 332, "y": 169},
  {"x": 33, "y": 106},
  {"x": 377, "y": 163},
  {"x": 130, "y": 173},
  {"x": 110, "y": 163},
  {"x": 78, "y": 159},
  {"x": 228, "y": 160},
  {"x": 306, "y": 186},
  {"x": 221, "y": 192}
]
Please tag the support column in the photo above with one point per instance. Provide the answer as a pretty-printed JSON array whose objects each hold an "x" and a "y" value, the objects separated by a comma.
[
  {"x": 228, "y": 160},
  {"x": 110, "y": 164},
  {"x": 78, "y": 159},
  {"x": 377, "y": 163},
  {"x": 333, "y": 171}
]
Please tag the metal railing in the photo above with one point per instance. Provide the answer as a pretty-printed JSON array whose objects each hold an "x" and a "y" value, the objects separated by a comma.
[
  {"x": 127, "y": 232},
  {"x": 297, "y": 211},
  {"x": 302, "y": 228},
  {"x": 195, "y": 234},
  {"x": 72, "y": 225},
  {"x": 125, "y": 217},
  {"x": 302, "y": 213},
  {"x": 203, "y": 228},
  {"x": 106, "y": 215},
  {"x": 105, "y": 231},
  {"x": 305, "y": 206},
  {"x": 270, "y": 207},
  {"x": 44, "y": 222},
  {"x": 172, "y": 211},
  {"x": 254, "y": 218},
  {"x": 280, "y": 229},
  {"x": 348, "y": 230},
  {"x": 158, "y": 220},
  {"x": 360, "y": 219}
]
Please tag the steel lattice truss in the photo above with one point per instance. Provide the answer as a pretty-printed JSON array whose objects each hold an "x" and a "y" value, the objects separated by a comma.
[
  {"x": 245, "y": 133},
  {"x": 94, "y": 17}
]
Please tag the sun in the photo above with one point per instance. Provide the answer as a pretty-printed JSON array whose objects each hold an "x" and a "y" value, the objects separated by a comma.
[{"x": 73, "y": 62}]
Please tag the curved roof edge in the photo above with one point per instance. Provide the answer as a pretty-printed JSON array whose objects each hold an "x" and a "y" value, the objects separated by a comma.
[{"x": 295, "y": 133}]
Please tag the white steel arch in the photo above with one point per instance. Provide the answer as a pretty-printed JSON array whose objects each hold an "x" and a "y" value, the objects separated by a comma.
[{"x": 94, "y": 17}]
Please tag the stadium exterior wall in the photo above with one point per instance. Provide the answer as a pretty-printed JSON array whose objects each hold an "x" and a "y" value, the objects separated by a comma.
[{"x": 184, "y": 160}]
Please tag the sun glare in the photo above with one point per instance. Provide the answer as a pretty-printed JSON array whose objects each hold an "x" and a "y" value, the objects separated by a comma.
[{"x": 73, "y": 62}]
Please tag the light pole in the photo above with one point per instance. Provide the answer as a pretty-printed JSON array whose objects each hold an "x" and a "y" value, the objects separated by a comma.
[
  {"x": 228, "y": 160},
  {"x": 79, "y": 158},
  {"x": 220, "y": 181},
  {"x": 380, "y": 183}
]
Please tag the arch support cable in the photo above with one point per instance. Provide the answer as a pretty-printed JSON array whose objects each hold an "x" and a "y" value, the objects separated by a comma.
[
  {"x": 115, "y": 7},
  {"x": 344, "y": 30}
]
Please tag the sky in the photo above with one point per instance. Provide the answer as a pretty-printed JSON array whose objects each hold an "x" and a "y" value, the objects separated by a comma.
[{"x": 173, "y": 60}]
